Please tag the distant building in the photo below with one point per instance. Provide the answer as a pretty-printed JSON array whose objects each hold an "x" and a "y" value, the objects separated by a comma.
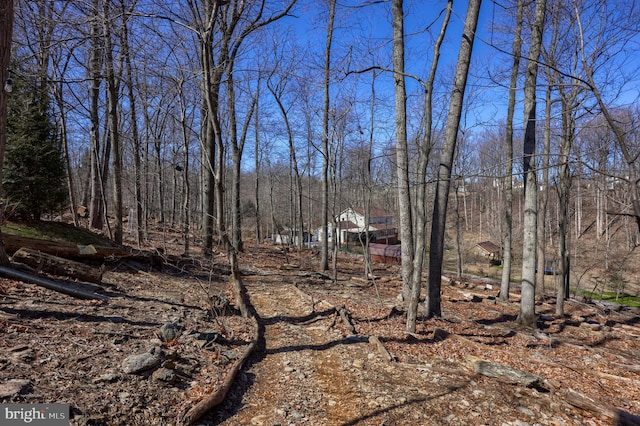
[
  {"x": 490, "y": 250},
  {"x": 350, "y": 227}
]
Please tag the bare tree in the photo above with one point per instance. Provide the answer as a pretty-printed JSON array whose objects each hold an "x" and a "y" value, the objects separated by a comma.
[
  {"x": 96, "y": 207},
  {"x": 135, "y": 135},
  {"x": 424, "y": 151},
  {"x": 402, "y": 155},
  {"x": 611, "y": 37},
  {"x": 436, "y": 248},
  {"x": 6, "y": 35},
  {"x": 113, "y": 87},
  {"x": 324, "y": 251},
  {"x": 507, "y": 236},
  {"x": 527, "y": 315},
  {"x": 277, "y": 85}
]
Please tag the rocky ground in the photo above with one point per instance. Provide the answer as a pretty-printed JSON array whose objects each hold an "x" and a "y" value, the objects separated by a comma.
[{"x": 322, "y": 352}]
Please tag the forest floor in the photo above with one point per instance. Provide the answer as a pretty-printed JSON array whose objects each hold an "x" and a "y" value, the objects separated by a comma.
[{"x": 160, "y": 345}]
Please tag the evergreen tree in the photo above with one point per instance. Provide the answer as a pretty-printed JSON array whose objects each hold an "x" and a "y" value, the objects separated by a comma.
[{"x": 34, "y": 175}]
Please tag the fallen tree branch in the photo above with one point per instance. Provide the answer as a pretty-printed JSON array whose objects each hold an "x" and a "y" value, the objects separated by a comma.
[
  {"x": 333, "y": 321},
  {"x": 346, "y": 318},
  {"x": 50, "y": 284},
  {"x": 620, "y": 417},
  {"x": 217, "y": 397},
  {"x": 374, "y": 340}
]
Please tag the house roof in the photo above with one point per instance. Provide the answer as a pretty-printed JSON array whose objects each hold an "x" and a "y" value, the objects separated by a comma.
[
  {"x": 489, "y": 247},
  {"x": 347, "y": 224},
  {"x": 374, "y": 212}
]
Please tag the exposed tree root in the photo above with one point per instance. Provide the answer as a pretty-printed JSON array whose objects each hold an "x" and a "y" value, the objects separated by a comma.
[{"x": 217, "y": 397}]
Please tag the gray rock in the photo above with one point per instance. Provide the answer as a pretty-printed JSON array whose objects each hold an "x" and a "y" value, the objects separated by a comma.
[
  {"x": 170, "y": 331},
  {"x": 109, "y": 377},
  {"x": 164, "y": 375},
  {"x": 140, "y": 362},
  {"x": 13, "y": 387}
]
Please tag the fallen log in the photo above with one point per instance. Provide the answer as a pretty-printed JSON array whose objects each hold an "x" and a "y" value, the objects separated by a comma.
[
  {"x": 504, "y": 373},
  {"x": 217, "y": 397},
  {"x": 619, "y": 417},
  {"x": 13, "y": 243},
  {"x": 55, "y": 265},
  {"x": 50, "y": 284}
]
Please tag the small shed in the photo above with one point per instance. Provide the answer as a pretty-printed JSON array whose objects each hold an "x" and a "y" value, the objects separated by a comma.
[
  {"x": 490, "y": 250},
  {"x": 386, "y": 253}
]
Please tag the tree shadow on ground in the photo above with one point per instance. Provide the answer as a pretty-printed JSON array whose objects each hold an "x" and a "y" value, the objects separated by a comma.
[{"x": 389, "y": 409}]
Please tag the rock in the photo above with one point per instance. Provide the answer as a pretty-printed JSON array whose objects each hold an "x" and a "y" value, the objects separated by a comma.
[
  {"x": 527, "y": 411},
  {"x": 14, "y": 387},
  {"x": 155, "y": 350},
  {"x": 231, "y": 355},
  {"x": 170, "y": 331},
  {"x": 108, "y": 378},
  {"x": 140, "y": 362},
  {"x": 164, "y": 375}
]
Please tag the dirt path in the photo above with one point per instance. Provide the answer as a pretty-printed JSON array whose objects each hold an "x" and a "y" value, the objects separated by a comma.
[{"x": 302, "y": 367}]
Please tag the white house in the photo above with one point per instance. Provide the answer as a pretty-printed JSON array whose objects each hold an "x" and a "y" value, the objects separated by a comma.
[{"x": 350, "y": 224}]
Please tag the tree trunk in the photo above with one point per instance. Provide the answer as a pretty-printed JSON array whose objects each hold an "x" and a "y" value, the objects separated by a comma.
[
  {"x": 324, "y": 255},
  {"x": 186, "y": 196},
  {"x": 96, "y": 211},
  {"x": 6, "y": 36},
  {"x": 114, "y": 127},
  {"x": 67, "y": 155},
  {"x": 257, "y": 165},
  {"x": 544, "y": 197},
  {"x": 507, "y": 235},
  {"x": 564, "y": 193},
  {"x": 208, "y": 154},
  {"x": 436, "y": 248},
  {"x": 420, "y": 234},
  {"x": 402, "y": 157},
  {"x": 527, "y": 315},
  {"x": 134, "y": 133}
]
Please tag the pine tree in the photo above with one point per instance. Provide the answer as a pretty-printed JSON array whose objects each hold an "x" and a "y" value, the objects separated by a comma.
[{"x": 34, "y": 176}]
